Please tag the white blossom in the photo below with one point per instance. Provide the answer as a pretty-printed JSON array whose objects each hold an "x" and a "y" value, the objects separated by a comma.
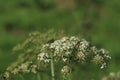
[
  {"x": 65, "y": 59},
  {"x": 103, "y": 65},
  {"x": 43, "y": 57},
  {"x": 112, "y": 76},
  {"x": 77, "y": 49},
  {"x": 66, "y": 70}
]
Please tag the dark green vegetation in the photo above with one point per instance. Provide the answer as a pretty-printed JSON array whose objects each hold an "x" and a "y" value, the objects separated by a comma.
[{"x": 97, "y": 21}]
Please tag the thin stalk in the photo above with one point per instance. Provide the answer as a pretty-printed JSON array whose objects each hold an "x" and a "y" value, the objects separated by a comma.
[
  {"x": 38, "y": 76},
  {"x": 52, "y": 67},
  {"x": 22, "y": 78},
  {"x": 38, "y": 73},
  {"x": 69, "y": 76}
]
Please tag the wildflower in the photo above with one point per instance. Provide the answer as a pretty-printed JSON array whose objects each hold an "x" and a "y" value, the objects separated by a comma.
[
  {"x": 103, "y": 65},
  {"x": 34, "y": 69},
  {"x": 66, "y": 50},
  {"x": 24, "y": 68},
  {"x": 65, "y": 70},
  {"x": 65, "y": 59},
  {"x": 6, "y": 75},
  {"x": 112, "y": 76},
  {"x": 73, "y": 48},
  {"x": 81, "y": 56},
  {"x": 43, "y": 57},
  {"x": 15, "y": 71},
  {"x": 98, "y": 59}
]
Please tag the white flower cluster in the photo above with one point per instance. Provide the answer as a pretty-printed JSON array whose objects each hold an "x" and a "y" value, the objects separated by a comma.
[
  {"x": 112, "y": 76},
  {"x": 43, "y": 57},
  {"x": 5, "y": 75},
  {"x": 24, "y": 67},
  {"x": 100, "y": 57},
  {"x": 65, "y": 70},
  {"x": 66, "y": 50},
  {"x": 73, "y": 48},
  {"x": 60, "y": 48}
]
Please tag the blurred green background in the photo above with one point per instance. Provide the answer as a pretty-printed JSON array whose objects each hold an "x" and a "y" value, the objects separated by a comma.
[{"x": 96, "y": 20}]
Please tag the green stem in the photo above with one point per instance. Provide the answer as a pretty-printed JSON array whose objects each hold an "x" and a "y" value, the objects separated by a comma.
[
  {"x": 52, "y": 67},
  {"x": 22, "y": 78},
  {"x": 38, "y": 76},
  {"x": 69, "y": 76},
  {"x": 38, "y": 73}
]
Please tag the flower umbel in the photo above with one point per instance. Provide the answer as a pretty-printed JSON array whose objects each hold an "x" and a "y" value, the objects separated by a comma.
[
  {"x": 41, "y": 51},
  {"x": 75, "y": 49}
]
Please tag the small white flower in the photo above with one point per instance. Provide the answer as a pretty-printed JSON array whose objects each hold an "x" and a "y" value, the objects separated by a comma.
[
  {"x": 103, "y": 65},
  {"x": 64, "y": 59},
  {"x": 67, "y": 53},
  {"x": 66, "y": 70},
  {"x": 43, "y": 57},
  {"x": 81, "y": 56}
]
